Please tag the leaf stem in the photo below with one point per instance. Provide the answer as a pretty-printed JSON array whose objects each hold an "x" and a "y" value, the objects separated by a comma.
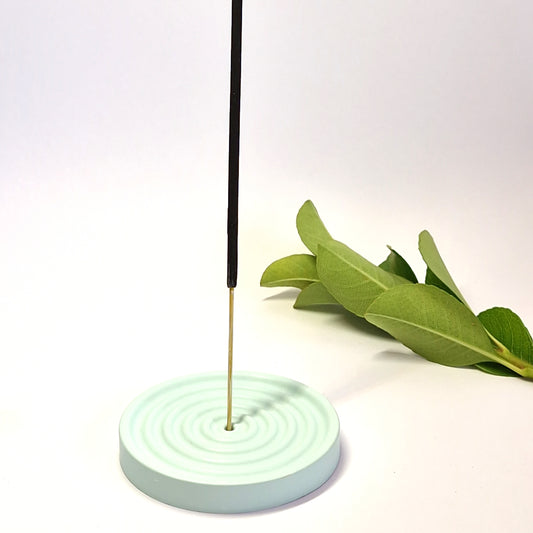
[{"x": 507, "y": 358}]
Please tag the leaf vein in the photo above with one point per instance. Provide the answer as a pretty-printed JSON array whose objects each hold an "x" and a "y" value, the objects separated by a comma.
[{"x": 435, "y": 332}]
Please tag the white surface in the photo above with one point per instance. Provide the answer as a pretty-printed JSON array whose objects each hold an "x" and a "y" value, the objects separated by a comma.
[{"x": 391, "y": 116}]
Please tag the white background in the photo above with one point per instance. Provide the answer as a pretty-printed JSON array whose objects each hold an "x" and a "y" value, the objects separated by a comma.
[{"x": 392, "y": 116}]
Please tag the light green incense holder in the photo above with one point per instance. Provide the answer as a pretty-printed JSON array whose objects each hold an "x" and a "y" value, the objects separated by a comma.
[{"x": 175, "y": 448}]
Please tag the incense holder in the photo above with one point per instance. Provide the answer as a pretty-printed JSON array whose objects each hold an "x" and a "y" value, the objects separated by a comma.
[{"x": 174, "y": 446}]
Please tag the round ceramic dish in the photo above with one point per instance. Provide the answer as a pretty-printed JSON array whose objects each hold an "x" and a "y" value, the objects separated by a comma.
[{"x": 175, "y": 448}]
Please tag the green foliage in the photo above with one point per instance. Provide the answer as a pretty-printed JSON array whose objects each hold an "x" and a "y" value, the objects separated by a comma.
[
  {"x": 396, "y": 264},
  {"x": 490, "y": 367},
  {"x": 507, "y": 328},
  {"x": 437, "y": 274},
  {"x": 311, "y": 228},
  {"x": 314, "y": 294},
  {"x": 432, "y": 319},
  {"x": 297, "y": 270},
  {"x": 509, "y": 334},
  {"x": 351, "y": 279},
  {"x": 431, "y": 323}
]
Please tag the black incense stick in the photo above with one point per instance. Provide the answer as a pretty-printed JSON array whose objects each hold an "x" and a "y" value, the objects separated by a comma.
[
  {"x": 233, "y": 180},
  {"x": 234, "y": 135}
]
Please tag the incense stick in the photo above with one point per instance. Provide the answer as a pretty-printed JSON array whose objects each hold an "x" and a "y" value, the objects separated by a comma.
[
  {"x": 229, "y": 424},
  {"x": 234, "y": 137},
  {"x": 233, "y": 181}
]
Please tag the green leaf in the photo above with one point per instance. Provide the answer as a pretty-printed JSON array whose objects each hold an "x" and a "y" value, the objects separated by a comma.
[
  {"x": 431, "y": 279},
  {"x": 314, "y": 294},
  {"x": 437, "y": 273},
  {"x": 433, "y": 324},
  {"x": 297, "y": 270},
  {"x": 507, "y": 327},
  {"x": 350, "y": 278},
  {"x": 396, "y": 264},
  {"x": 496, "y": 369},
  {"x": 310, "y": 227}
]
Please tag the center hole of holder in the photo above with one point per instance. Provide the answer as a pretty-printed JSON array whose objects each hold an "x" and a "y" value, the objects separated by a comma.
[{"x": 231, "y": 428}]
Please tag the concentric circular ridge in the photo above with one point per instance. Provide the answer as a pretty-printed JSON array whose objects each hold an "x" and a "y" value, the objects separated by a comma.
[{"x": 174, "y": 445}]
